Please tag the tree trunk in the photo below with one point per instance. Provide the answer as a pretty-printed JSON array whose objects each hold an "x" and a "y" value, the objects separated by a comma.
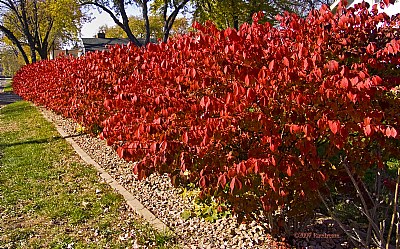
[
  {"x": 166, "y": 33},
  {"x": 43, "y": 51},
  {"x": 146, "y": 21},
  {"x": 25, "y": 23},
  {"x": 125, "y": 23},
  {"x": 236, "y": 22},
  {"x": 33, "y": 53},
  {"x": 168, "y": 22}
]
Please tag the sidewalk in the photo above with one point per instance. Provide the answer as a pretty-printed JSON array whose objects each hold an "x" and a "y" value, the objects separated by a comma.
[{"x": 7, "y": 97}]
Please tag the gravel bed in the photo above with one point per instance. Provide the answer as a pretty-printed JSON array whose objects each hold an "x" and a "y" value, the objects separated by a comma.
[{"x": 166, "y": 202}]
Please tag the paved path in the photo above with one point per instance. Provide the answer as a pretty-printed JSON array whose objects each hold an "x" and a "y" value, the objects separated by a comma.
[{"x": 7, "y": 97}]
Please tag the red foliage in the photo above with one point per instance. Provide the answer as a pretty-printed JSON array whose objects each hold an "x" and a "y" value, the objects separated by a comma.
[{"x": 261, "y": 114}]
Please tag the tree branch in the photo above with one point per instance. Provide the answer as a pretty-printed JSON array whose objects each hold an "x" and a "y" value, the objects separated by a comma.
[
  {"x": 15, "y": 41},
  {"x": 125, "y": 20}
]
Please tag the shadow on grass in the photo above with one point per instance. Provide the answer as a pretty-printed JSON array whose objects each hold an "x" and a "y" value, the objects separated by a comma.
[
  {"x": 37, "y": 141},
  {"x": 8, "y": 98}
]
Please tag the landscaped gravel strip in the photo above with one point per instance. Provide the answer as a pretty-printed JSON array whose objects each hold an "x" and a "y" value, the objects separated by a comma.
[
  {"x": 129, "y": 198},
  {"x": 158, "y": 195},
  {"x": 166, "y": 202}
]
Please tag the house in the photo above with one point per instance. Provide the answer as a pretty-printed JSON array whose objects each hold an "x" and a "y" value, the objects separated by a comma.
[
  {"x": 100, "y": 43},
  {"x": 392, "y": 9}
]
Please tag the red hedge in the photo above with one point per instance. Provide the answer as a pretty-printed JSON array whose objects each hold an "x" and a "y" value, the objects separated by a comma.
[{"x": 259, "y": 116}]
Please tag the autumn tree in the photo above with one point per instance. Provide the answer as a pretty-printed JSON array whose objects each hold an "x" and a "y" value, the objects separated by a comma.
[
  {"x": 39, "y": 24},
  {"x": 232, "y": 13}
]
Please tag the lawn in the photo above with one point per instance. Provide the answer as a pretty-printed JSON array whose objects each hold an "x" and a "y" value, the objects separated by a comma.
[
  {"x": 49, "y": 198},
  {"x": 8, "y": 86}
]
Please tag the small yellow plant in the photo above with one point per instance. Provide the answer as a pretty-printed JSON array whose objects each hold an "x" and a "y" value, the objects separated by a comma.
[{"x": 80, "y": 129}]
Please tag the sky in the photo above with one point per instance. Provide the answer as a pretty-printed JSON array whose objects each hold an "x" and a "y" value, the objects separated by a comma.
[
  {"x": 90, "y": 29},
  {"x": 100, "y": 19}
]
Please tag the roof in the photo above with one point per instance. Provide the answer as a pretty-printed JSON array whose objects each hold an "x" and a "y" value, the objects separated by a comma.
[{"x": 99, "y": 44}]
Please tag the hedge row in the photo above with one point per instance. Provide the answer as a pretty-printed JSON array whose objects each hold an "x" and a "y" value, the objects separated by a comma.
[{"x": 259, "y": 117}]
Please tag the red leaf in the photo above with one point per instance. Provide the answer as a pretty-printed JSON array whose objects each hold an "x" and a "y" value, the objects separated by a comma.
[
  {"x": 272, "y": 147},
  {"x": 251, "y": 94},
  {"x": 193, "y": 72},
  {"x": 203, "y": 182},
  {"x": 120, "y": 152},
  {"x": 289, "y": 171},
  {"x": 262, "y": 74},
  {"x": 352, "y": 97},
  {"x": 141, "y": 175},
  {"x": 143, "y": 111},
  {"x": 271, "y": 65},
  {"x": 153, "y": 147},
  {"x": 163, "y": 145},
  {"x": 232, "y": 184},
  {"x": 228, "y": 98},
  {"x": 247, "y": 80},
  {"x": 241, "y": 168},
  {"x": 367, "y": 120},
  {"x": 386, "y": 2},
  {"x": 286, "y": 62},
  {"x": 388, "y": 132},
  {"x": 394, "y": 133},
  {"x": 334, "y": 126},
  {"x": 185, "y": 137},
  {"x": 108, "y": 104},
  {"x": 391, "y": 132},
  {"x": 368, "y": 130},
  {"x": 222, "y": 181},
  {"x": 271, "y": 184},
  {"x": 322, "y": 175},
  {"x": 157, "y": 121},
  {"x": 333, "y": 66},
  {"x": 371, "y": 48},
  {"x": 294, "y": 128},
  {"x": 204, "y": 102},
  {"x": 344, "y": 83}
]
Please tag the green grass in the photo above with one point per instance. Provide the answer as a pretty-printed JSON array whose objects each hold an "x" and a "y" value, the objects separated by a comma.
[
  {"x": 8, "y": 86},
  {"x": 49, "y": 198}
]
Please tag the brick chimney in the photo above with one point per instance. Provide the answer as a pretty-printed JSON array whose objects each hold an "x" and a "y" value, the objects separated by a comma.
[{"x": 101, "y": 35}]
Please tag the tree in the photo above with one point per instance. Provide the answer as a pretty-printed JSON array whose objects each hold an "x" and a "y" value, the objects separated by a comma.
[
  {"x": 39, "y": 24},
  {"x": 15, "y": 41},
  {"x": 169, "y": 9},
  {"x": 224, "y": 13},
  {"x": 232, "y": 13},
  {"x": 117, "y": 11},
  {"x": 10, "y": 60},
  {"x": 137, "y": 25},
  {"x": 16, "y": 15}
]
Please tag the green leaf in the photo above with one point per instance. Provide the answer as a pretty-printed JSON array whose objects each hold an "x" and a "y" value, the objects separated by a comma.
[{"x": 186, "y": 214}]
